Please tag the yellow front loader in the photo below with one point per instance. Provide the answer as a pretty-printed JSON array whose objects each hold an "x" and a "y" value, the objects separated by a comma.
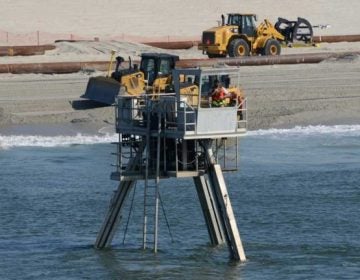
[{"x": 239, "y": 36}]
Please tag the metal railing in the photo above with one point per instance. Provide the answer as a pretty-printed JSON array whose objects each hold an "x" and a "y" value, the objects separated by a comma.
[
  {"x": 242, "y": 115},
  {"x": 134, "y": 112}
]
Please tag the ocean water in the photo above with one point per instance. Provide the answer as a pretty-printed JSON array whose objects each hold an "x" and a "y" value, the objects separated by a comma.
[{"x": 296, "y": 199}]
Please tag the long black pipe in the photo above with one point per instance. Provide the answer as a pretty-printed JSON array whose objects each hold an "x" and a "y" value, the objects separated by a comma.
[
  {"x": 53, "y": 67},
  {"x": 25, "y": 50},
  {"x": 336, "y": 38},
  {"x": 316, "y": 39},
  {"x": 265, "y": 60},
  {"x": 39, "y": 50},
  {"x": 71, "y": 67}
]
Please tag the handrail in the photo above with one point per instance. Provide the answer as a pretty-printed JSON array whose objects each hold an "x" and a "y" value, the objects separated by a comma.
[
  {"x": 242, "y": 113},
  {"x": 178, "y": 115},
  {"x": 186, "y": 112}
]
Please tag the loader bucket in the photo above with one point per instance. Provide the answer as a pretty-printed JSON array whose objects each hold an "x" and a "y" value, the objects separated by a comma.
[{"x": 102, "y": 89}]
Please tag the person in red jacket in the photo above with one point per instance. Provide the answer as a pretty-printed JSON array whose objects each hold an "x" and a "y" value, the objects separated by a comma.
[{"x": 218, "y": 95}]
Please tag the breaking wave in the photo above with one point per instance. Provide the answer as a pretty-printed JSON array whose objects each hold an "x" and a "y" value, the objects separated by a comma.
[
  {"x": 54, "y": 141},
  {"x": 349, "y": 130},
  {"x": 11, "y": 141}
]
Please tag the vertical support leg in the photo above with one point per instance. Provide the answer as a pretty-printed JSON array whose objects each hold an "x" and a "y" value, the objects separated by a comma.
[
  {"x": 112, "y": 218},
  {"x": 227, "y": 217},
  {"x": 184, "y": 155},
  {"x": 157, "y": 181},
  {"x": 227, "y": 214},
  {"x": 108, "y": 228},
  {"x": 210, "y": 211}
]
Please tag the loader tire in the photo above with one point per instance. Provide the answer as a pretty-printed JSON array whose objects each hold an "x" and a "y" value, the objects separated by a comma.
[
  {"x": 238, "y": 47},
  {"x": 272, "y": 47}
]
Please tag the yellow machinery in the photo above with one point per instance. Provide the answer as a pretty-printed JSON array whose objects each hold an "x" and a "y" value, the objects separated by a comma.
[
  {"x": 240, "y": 37},
  {"x": 153, "y": 77}
]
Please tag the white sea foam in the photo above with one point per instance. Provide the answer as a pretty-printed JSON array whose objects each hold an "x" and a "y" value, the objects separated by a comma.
[
  {"x": 11, "y": 141},
  {"x": 350, "y": 130},
  {"x": 54, "y": 141}
]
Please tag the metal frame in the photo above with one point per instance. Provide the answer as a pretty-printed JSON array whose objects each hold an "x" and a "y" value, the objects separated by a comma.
[{"x": 151, "y": 137}]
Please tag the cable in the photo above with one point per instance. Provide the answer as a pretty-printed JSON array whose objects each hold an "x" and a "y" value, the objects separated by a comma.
[
  {"x": 167, "y": 222},
  {"x": 130, "y": 211}
]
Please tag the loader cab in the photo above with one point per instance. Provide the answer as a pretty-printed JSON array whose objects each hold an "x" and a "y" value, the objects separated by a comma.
[
  {"x": 245, "y": 22},
  {"x": 120, "y": 72},
  {"x": 155, "y": 65}
]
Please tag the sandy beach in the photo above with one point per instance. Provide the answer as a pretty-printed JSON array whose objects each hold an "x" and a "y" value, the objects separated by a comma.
[
  {"x": 150, "y": 18},
  {"x": 283, "y": 96}
]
